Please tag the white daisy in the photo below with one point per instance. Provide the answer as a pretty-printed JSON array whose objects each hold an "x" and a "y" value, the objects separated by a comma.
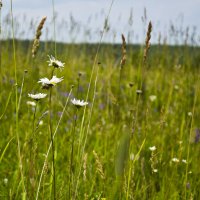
[
  {"x": 176, "y": 160},
  {"x": 31, "y": 103},
  {"x": 55, "y": 63},
  {"x": 79, "y": 103},
  {"x": 37, "y": 96},
  {"x": 46, "y": 83},
  {"x": 153, "y": 148},
  {"x": 5, "y": 180},
  {"x": 184, "y": 161},
  {"x": 190, "y": 114},
  {"x": 139, "y": 91},
  {"x": 152, "y": 98},
  {"x": 41, "y": 122},
  {"x": 155, "y": 170},
  {"x": 176, "y": 87}
]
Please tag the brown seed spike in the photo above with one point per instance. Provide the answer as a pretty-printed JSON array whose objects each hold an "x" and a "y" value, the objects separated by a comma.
[
  {"x": 123, "y": 60},
  {"x": 147, "y": 42},
  {"x": 36, "y": 41}
]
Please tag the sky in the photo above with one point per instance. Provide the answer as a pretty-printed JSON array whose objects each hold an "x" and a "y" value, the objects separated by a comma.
[{"x": 90, "y": 15}]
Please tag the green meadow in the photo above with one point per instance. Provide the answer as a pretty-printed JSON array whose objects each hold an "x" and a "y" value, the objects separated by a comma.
[{"x": 134, "y": 134}]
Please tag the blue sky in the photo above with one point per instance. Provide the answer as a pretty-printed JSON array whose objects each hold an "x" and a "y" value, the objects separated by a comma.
[{"x": 160, "y": 12}]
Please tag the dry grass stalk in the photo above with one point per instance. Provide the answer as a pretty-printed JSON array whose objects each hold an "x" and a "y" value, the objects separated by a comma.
[
  {"x": 85, "y": 166},
  {"x": 46, "y": 168},
  {"x": 123, "y": 60},
  {"x": 99, "y": 168},
  {"x": 36, "y": 41},
  {"x": 147, "y": 42}
]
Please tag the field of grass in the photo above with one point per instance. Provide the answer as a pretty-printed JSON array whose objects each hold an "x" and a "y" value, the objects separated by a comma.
[{"x": 137, "y": 138}]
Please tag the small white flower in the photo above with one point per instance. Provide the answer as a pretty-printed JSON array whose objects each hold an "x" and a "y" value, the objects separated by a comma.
[
  {"x": 56, "y": 80},
  {"x": 132, "y": 156},
  {"x": 190, "y": 114},
  {"x": 152, "y": 98},
  {"x": 139, "y": 91},
  {"x": 5, "y": 180},
  {"x": 37, "y": 96},
  {"x": 176, "y": 87},
  {"x": 184, "y": 161},
  {"x": 153, "y": 148},
  {"x": 180, "y": 142},
  {"x": 176, "y": 160},
  {"x": 41, "y": 122},
  {"x": 55, "y": 63},
  {"x": 31, "y": 103},
  {"x": 79, "y": 103},
  {"x": 155, "y": 170},
  {"x": 46, "y": 83}
]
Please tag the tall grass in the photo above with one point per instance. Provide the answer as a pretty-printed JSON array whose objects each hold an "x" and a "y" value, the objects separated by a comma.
[
  {"x": 17, "y": 106},
  {"x": 150, "y": 152}
]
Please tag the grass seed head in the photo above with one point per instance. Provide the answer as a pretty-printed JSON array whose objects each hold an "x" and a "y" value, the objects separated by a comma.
[
  {"x": 147, "y": 42},
  {"x": 36, "y": 41},
  {"x": 123, "y": 60},
  {"x": 99, "y": 166}
]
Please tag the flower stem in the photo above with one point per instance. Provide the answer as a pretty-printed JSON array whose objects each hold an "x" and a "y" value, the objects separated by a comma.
[
  {"x": 78, "y": 84},
  {"x": 32, "y": 155},
  {"x": 33, "y": 130},
  {"x": 52, "y": 143},
  {"x": 72, "y": 153}
]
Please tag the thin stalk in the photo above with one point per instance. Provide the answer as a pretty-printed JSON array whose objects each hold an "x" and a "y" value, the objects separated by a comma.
[
  {"x": 122, "y": 63},
  {"x": 50, "y": 145},
  {"x": 54, "y": 28},
  {"x": 34, "y": 115},
  {"x": 21, "y": 91},
  {"x": 52, "y": 73},
  {"x": 91, "y": 76},
  {"x": 188, "y": 147},
  {"x": 117, "y": 114},
  {"x": 119, "y": 87},
  {"x": 87, "y": 131},
  {"x": 72, "y": 153},
  {"x": 87, "y": 96},
  {"x": 32, "y": 153},
  {"x": 78, "y": 83},
  {"x": 132, "y": 164},
  {"x": 129, "y": 178},
  {"x": 16, "y": 103},
  {"x": 7, "y": 103}
]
